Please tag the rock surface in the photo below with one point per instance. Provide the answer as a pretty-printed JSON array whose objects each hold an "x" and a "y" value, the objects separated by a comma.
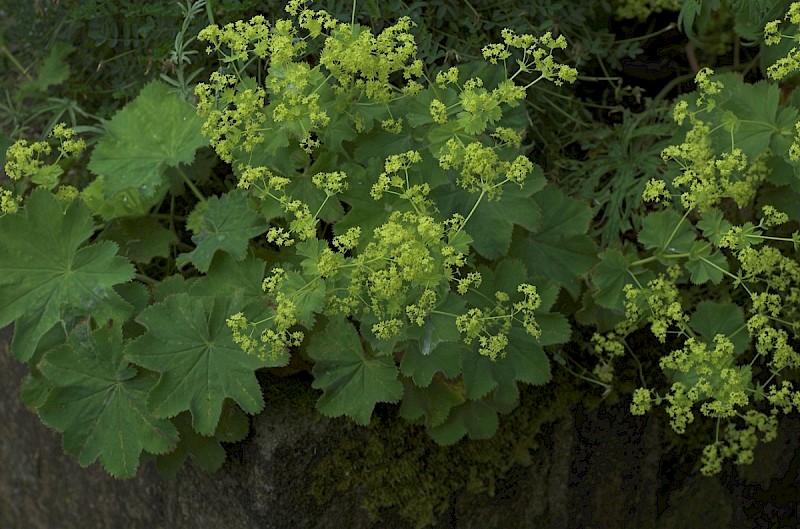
[{"x": 593, "y": 469}]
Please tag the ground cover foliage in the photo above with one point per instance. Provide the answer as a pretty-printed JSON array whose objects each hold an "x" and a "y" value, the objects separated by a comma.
[{"x": 429, "y": 208}]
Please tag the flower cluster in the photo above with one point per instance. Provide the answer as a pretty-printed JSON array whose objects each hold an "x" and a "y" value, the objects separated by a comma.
[
  {"x": 707, "y": 178},
  {"x": 235, "y": 118},
  {"x": 481, "y": 169},
  {"x": 537, "y": 55},
  {"x": 358, "y": 59},
  {"x": 270, "y": 337},
  {"x": 658, "y": 303},
  {"x": 397, "y": 265},
  {"x": 396, "y": 179},
  {"x": 491, "y": 325},
  {"x": 739, "y": 443},
  {"x": 772, "y": 35},
  {"x": 26, "y": 160},
  {"x": 641, "y": 9},
  {"x": 9, "y": 203}
]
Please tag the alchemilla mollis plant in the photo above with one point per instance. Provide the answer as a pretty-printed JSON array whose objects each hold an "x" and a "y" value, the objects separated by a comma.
[
  {"x": 376, "y": 219},
  {"x": 714, "y": 273},
  {"x": 330, "y": 199}
]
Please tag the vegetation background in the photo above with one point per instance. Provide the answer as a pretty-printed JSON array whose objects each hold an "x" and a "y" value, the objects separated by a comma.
[{"x": 581, "y": 459}]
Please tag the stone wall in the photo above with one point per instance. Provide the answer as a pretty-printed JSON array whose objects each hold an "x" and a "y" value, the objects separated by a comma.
[{"x": 592, "y": 470}]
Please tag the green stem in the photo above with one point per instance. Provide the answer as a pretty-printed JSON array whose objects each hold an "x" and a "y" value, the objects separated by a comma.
[
  {"x": 322, "y": 205},
  {"x": 144, "y": 279},
  {"x": 167, "y": 216},
  {"x": 782, "y": 239},
  {"x": 677, "y": 227},
  {"x": 654, "y": 257},
  {"x": 638, "y": 362},
  {"x": 474, "y": 11},
  {"x": 668, "y": 27},
  {"x": 15, "y": 62},
  {"x": 725, "y": 272},
  {"x": 587, "y": 379},
  {"x": 191, "y": 185},
  {"x": 454, "y": 316},
  {"x": 743, "y": 68},
  {"x": 470, "y": 214}
]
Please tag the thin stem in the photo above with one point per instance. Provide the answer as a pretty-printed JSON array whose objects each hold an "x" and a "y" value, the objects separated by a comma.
[
  {"x": 587, "y": 379},
  {"x": 15, "y": 62},
  {"x": 470, "y": 214},
  {"x": 668, "y": 27},
  {"x": 477, "y": 15},
  {"x": 167, "y": 216},
  {"x": 191, "y": 185},
  {"x": 322, "y": 205},
  {"x": 638, "y": 363},
  {"x": 144, "y": 279}
]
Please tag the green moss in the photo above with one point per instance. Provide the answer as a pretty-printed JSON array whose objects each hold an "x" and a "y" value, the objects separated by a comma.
[{"x": 399, "y": 466}]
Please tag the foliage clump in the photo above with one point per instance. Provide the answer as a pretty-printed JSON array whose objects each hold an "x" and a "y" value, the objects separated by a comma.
[
  {"x": 338, "y": 190},
  {"x": 353, "y": 228}
]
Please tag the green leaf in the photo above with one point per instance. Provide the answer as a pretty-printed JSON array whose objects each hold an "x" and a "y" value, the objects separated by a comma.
[
  {"x": 45, "y": 276},
  {"x": 312, "y": 250},
  {"x": 666, "y": 232},
  {"x": 169, "y": 286},
  {"x": 139, "y": 239},
  {"x": 430, "y": 405},
  {"x": 126, "y": 203},
  {"x": 352, "y": 380},
  {"x": 528, "y": 359},
  {"x": 591, "y": 314},
  {"x": 559, "y": 249},
  {"x": 445, "y": 358},
  {"x": 380, "y": 144},
  {"x": 365, "y": 212},
  {"x": 474, "y": 418},
  {"x": 340, "y": 129},
  {"x": 704, "y": 265},
  {"x": 690, "y": 9},
  {"x": 308, "y": 296},
  {"x": 138, "y": 296},
  {"x": 207, "y": 452},
  {"x": 752, "y": 110},
  {"x": 783, "y": 198},
  {"x": 436, "y": 346},
  {"x": 480, "y": 373},
  {"x": 525, "y": 361},
  {"x": 492, "y": 223},
  {"x": 225, "y": 223},
  {"x": 228, "y": 277},
  {"x": 783, "y": 138},
  {"x": 100, "y": 403},
  {"x": 190, "y": 344},
  {"x": 47, "y": 176},
  {"x": 713, "y": 225},
  {"x": 712, "y": 318},
  {"x": 609, "y": 278},
  {"x": 555, "y": 328},
  {"x": 419, "y": 114},
  {"x": 156, "y": 130},
  {"x": 507, "y": 275},
  {"x": 54, "y": 70},
  {"x": 301, "y": 185},
  {"x": 35, "y": 387}
]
